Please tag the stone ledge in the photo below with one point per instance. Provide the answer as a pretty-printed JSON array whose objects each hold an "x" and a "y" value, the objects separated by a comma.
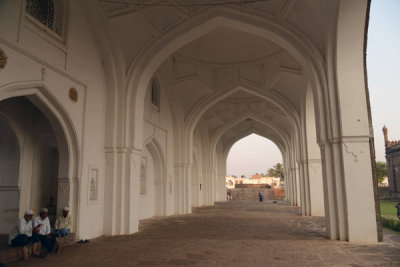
[{"x": 9, "y": 254}]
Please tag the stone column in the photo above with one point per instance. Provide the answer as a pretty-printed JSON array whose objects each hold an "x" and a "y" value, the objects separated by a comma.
[
  {"x": 316, "y": 187},
  {"x": 110, "y": 196},
  {"x": 306, "y": 194},
  {"x": 293, "y": 185},
  {"x": 134, "y": 190},
  {"x": 122, "y": 172},
  {"x": 347, "y": 151},
  {"x": 302, "y": 189},
  {"x": 183, "y": 173}
]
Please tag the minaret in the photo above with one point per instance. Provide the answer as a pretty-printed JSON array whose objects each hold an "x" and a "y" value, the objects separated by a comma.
[{"x": 385, "y": 134}]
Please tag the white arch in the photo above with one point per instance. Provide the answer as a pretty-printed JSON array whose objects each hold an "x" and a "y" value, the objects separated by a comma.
[{"x": 140, "y": 74}]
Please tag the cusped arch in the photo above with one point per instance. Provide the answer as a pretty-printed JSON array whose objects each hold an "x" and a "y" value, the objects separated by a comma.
[
  {"x": 247, "y": 133},
  {"x": 258, "y": 132},
  {"x": 284, "y": 139},
  {"x": 202, "y": 106}
]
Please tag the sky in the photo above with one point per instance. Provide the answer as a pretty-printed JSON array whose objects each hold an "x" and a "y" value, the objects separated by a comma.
[{"x": 256, "y": 154}]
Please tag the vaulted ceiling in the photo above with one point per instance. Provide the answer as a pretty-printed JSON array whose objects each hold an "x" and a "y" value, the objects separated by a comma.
[
  {"x": 222, "y": 60},
  {"x": 137, "y": 23}
]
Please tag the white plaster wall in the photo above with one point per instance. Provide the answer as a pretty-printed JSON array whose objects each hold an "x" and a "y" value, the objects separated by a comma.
[
  {"x": 196, "y": 171},
  {"x": 35, "y": 58},
  {"x": 9, "y": 177},
  {"x": 10, "y": 19},
  {"x": 202, "y": 155},
  {"x": 195, "y": 184},
  {"x": 220, "y": 174},
  {"x": 44, "y": 177},
  {"x": 357, "y": 171},
  {"x": 158, "y": 125},
  {"x": 147, "y": 207},
  {"x": 85, "y": 64}
]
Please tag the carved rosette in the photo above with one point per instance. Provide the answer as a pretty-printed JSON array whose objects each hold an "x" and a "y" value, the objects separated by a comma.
[
  {"x": 73, "y": 95},
  {"x": 3, "y": 59}
]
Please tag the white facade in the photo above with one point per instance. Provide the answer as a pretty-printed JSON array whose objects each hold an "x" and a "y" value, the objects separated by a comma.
[{"x": 124, "y": 112}]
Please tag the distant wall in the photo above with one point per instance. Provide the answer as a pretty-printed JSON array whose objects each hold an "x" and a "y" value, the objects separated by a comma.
[
  {"x": 384, "y": 193},
  {"x": 252, "y": 194}
]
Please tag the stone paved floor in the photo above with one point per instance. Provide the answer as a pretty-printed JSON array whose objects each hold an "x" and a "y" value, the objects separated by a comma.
[{"x": 236, "y": 233}]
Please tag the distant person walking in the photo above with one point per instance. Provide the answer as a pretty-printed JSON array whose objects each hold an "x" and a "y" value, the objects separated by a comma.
[
  {"x": 229, "y": 195},
  {"x": 260, "y": 197}
]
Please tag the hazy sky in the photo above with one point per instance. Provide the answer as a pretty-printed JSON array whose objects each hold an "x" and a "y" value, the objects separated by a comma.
[{"x": 256, "y": 154}]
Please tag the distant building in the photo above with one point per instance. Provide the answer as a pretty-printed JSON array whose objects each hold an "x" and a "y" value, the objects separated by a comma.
[
  {"x": 392, "y": 149},
  {"x": 384, "y": 183},
  {"x": 230, "y": 182},
  {"x": 257, "y": 179}
]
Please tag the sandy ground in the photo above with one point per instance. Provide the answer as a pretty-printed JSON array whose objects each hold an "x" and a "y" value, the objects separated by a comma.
[{"x": 236, "y": 233}]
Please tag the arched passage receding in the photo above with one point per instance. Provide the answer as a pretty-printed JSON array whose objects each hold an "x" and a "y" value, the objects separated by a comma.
[{"x": 263, "y": 152}]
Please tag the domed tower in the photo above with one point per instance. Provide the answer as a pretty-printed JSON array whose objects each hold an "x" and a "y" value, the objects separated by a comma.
[{"x": 385, "y": 134}]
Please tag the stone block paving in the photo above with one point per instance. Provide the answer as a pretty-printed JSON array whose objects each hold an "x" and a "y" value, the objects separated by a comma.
[{"x": 234, "y": 233}]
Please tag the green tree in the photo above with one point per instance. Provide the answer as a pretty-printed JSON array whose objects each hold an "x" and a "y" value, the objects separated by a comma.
[
  {"x": 276, "y": 171},
  {"x": 271, "y": 172},
  {"x": 381, "y": 170}
]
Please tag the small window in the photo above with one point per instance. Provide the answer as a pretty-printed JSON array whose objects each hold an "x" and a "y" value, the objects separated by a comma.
[
  {"x": 47, "y": 12},
  {"x": 155, "y": 93}
]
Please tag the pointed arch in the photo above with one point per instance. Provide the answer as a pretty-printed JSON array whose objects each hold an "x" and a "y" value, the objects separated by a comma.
[
  {"x": 160, "y": 179},
  {"x": 69, "y": 167}
]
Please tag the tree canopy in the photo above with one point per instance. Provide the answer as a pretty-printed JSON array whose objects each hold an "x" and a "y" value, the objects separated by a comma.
[
  {"x": 276, "y": 171},
  {"x": 381, "y": 170}
]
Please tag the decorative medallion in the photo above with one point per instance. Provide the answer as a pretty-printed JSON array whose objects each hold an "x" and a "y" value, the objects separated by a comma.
[
  {"x": 73, "y": 95},
  {"x": 3, "y": 59}
]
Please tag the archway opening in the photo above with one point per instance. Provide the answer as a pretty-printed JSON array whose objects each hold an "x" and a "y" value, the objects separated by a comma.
[
  {"x": 254, "y": 164},
  {"x": 38, "y": 160}
]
